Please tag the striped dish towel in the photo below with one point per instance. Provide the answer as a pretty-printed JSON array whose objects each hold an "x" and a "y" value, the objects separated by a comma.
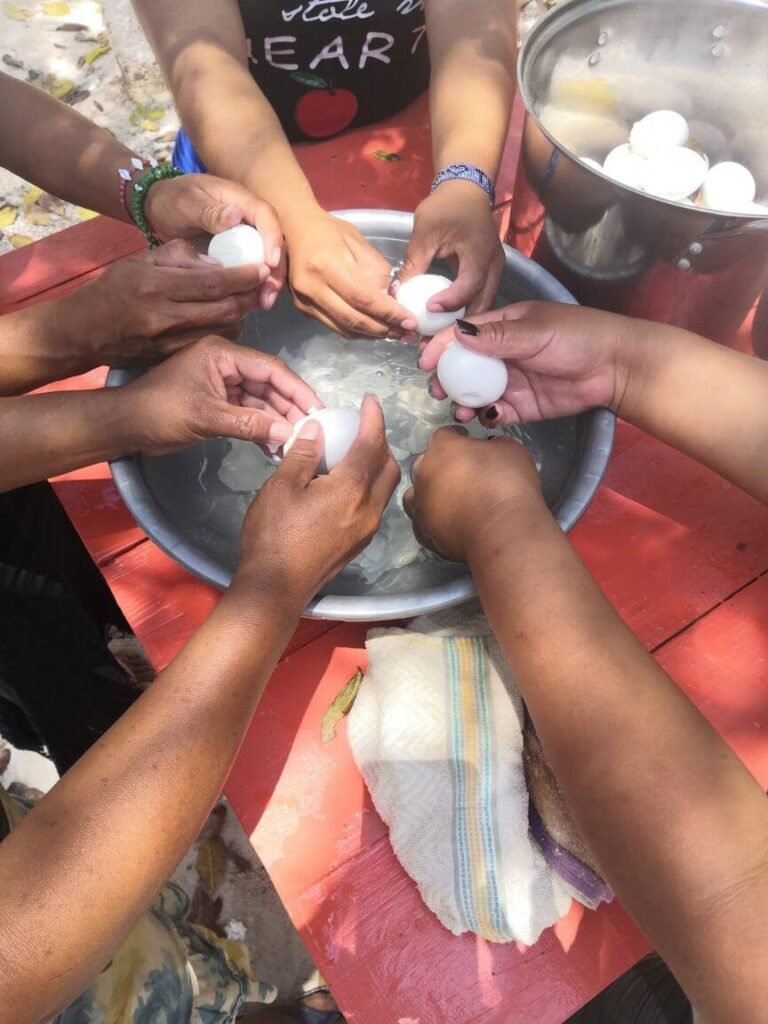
[{"x": 437, "y": 731}]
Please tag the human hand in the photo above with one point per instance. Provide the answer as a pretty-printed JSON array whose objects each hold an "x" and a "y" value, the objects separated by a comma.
[
  {"x": 463, "y": 488},
  {"x": 339, "y": 278},
  {"x": 455, "y": 223},
  {"x": 561, "y": 359},
  {"x": 215, "y": 389},
  {"x": 147, "y": 306},
  {"x": 302, "y": 529},
  {"x": 195, "y": 204}
]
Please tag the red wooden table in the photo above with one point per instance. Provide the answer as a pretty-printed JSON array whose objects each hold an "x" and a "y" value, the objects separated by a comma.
[{"x": 682, "y": 555}]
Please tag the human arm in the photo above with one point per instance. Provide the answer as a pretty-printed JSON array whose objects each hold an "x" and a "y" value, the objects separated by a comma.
[
  {"x": 50, "y": 144},
  {"x": 96, "y": 849},
  {"x": 473, "y": 50},
  {"x": 702, "y": 398},
  {"x": 211, "y": 389},
  {"x": 676, "y": 822},
  {"x": 335, "y": 274}
]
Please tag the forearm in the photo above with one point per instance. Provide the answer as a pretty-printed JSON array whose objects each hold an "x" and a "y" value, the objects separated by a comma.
[
  {"x": 473, "y": 52},
  {"x": 123, "y": 817},
  {"x": 45, "y": 435},
  {"x": 229, "y": 120},
  {"x": 678, "y": 825},
  {"x": 48, "y": 143},
  {"x": 704, "y": 399},
  {"x": 48, "y": 341}
]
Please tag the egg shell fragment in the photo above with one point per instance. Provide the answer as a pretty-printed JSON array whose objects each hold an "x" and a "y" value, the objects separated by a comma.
[
  {"x": 415, "y": 293},
  {"x": 340, "y": 429},
  {"x": 239, "y": 246},
  {"x": 471, "y": 378}
]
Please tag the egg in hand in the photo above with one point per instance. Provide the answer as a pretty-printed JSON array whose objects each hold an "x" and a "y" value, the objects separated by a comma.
[
  {"x": 237, "y": 247},
  {"x": 471, "y": 378},
  {"x": 415, "y": 293},
  {"x": 340, "y": 428}
]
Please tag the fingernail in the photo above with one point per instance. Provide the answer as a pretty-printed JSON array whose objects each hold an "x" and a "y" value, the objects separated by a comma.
[
  {"x": 279, "y": 432},
  {"x": 270, "y": 299},
  {"x": 465, "y": 327},
  {"x": 408, "y": 325},
  {"x": 208, "y": 259},
  {"x": 230, "y": 212},
  {"x": 275, "y": 258},
  {"x": 431, "y": 389},
  {"x": 309, "y": 431},
  {"x": 491, "y": 413}
]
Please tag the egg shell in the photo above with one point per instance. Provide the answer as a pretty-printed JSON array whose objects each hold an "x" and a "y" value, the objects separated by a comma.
[
  {"x": 660, "y": 130},
  {"x": 237, "y": 247},
  {"x": 340, "y": 428},
  {"x": 728, "y": 186},
  {"x": 674, "y": 173},
  {"x": 470, "y": 378},
  {"x": 625, "y": 166},
  {"x": 415, "y": 293}
]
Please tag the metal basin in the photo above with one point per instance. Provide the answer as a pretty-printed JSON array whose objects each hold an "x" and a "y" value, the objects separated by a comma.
[
  {"x": 588, "y": 71},
  {"x": 188, "y": 512}
]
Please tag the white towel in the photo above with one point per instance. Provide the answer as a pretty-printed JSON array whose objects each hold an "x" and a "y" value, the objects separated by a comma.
[{"x": 437, "y": 733}]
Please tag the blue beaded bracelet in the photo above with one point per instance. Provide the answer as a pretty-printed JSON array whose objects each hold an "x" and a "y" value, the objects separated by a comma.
[{"x": 466, "y": 172}]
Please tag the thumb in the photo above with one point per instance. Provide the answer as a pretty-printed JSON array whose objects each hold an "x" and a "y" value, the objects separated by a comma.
[
  {"x": 511, "y": 340},
  {"x": 416, "y": 261},
  {"x": 301, "y": 463},
  {"x": 215, "y": 217},
  {"x": 178, "y": 254}
]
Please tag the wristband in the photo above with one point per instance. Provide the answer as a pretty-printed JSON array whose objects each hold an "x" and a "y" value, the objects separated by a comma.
[
  {"x": 466, "y": 172},
  {"x": 137, "y": 197}
]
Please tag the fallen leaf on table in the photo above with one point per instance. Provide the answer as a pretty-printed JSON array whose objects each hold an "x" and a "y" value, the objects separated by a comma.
[
  {"x": 340, "y": 707},
  {"x": 94, "y": 54},
  {"x": 149, "y": 126},
  {"x": 211, "y": 863},
  {"x": 38, "y": 217},
  {"x": 31, "y": 196},
  {"x": 84, "y": 214},
  {"x": 383, "y": 154},
  {"x": 55, "y": 9},
  {"x": 16, "y": 12},
  {"x": 19, "y": 241},
  {"x": 12, "y": 62},
  {"x": 8, "y": 215}
]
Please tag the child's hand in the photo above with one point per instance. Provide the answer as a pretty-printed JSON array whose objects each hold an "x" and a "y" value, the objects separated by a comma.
[
  {"x": 463, "y": 488},
  {"x": 561, "y": 359}
]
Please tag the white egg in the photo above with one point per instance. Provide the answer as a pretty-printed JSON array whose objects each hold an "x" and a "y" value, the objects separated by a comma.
[
  {"x": 728, "y": 186},
  {"x": 340, "y": 428},
  {"x": 663, "y": 129},
  {"x": 414, "y": 295},
  {"x": 237, "y": 246},
  {"x": 674, "y": 173},
  {"x": 625, "y": 166},
  {"x": 589, "y": 162},
  {"x": 470, "y": 378}
]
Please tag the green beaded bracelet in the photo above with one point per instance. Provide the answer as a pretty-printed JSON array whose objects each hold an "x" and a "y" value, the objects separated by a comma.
[{"x": 139, "y": 197}]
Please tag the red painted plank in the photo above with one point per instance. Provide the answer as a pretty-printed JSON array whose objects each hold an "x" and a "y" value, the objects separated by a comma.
[{"x": 63, "y": 257}]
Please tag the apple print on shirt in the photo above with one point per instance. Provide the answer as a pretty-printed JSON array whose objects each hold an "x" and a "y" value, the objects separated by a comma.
[{"x": 329, "y": 65}]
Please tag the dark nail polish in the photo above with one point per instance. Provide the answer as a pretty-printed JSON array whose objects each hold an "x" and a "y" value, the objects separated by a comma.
[
  {"x": 491, "y": 413},
  {"x": 467, "y": 328}
]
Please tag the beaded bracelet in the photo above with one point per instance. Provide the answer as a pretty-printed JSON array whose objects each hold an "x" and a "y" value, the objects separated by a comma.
[
  {"x": 139, "y": 197},
  {"x": 466, "y": 172}
]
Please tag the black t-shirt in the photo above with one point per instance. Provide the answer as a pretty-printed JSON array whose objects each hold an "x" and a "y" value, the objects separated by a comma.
[{"x": 329, "y": 65}]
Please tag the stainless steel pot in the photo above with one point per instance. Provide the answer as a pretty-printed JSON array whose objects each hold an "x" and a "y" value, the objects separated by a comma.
[
  {"x": 200, "y": 527},
  {"x": 587, "y": 71}
]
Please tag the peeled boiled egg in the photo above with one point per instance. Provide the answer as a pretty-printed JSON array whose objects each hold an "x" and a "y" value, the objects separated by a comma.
[
  {"x": 663, "y": 129},
  {"x": 728, "y": 186},
  {"x": 470, "y": 378},
  {"x": 674, "y": 173},
  {"x": 626, "y": 166},
  {"x": 237, "y": 246},
  {"x": 340, "y": 428},
  {"x": 414, "y": 295}
]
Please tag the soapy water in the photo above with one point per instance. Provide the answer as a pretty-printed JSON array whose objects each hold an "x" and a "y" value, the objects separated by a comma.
[{"x": 341, "y": 372}]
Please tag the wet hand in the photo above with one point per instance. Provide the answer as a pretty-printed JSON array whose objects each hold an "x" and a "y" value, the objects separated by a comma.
[{"x": 301, "y": 529}]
